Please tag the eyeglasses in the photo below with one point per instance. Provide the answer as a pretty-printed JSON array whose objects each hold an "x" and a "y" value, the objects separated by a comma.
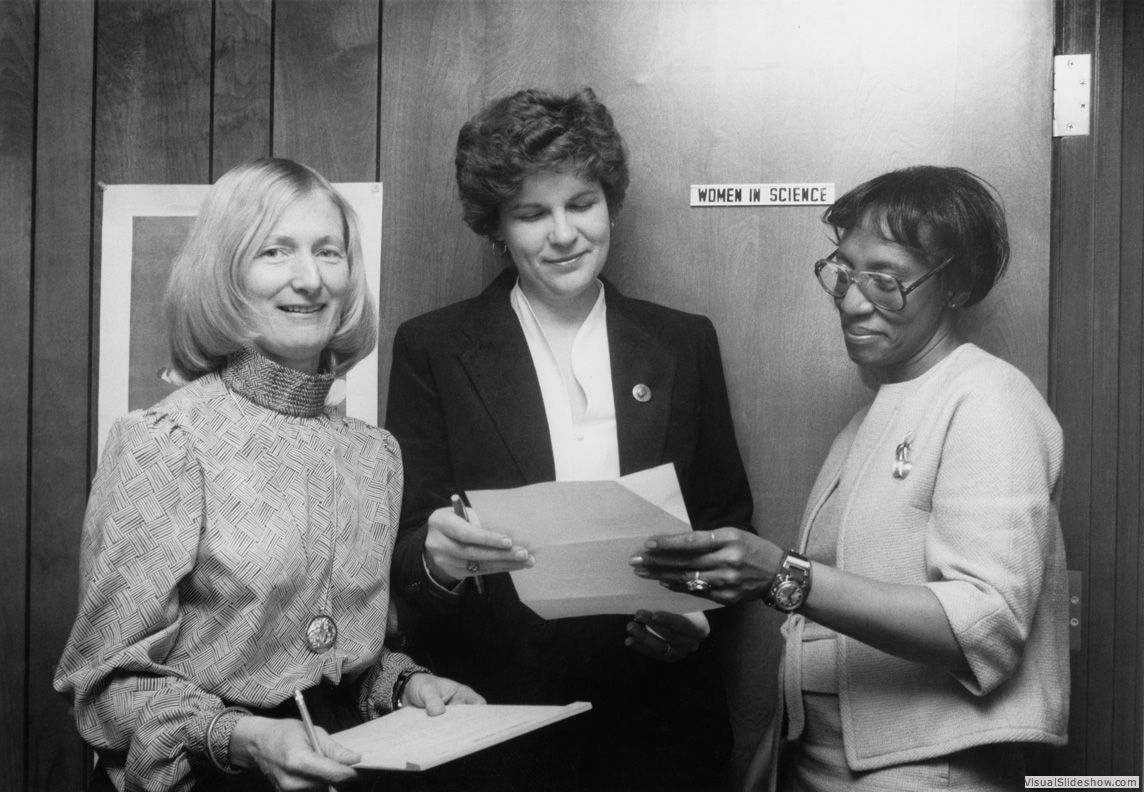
[{"x": 885, "y": 291}]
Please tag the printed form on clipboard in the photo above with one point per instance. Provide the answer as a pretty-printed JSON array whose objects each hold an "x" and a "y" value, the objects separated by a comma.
[{"x": 409, "y": 739}]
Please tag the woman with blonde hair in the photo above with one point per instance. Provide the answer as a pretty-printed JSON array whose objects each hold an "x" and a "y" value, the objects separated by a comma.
[{"x": 237, "y": 541}]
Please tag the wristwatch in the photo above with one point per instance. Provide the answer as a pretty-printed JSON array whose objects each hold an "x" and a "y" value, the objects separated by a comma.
[{"x": 791, "y": 585}]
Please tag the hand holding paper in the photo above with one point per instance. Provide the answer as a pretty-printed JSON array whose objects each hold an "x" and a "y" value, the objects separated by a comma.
[
  {"x": 457, "y": 546},
  {"x": 581, "y": 534},
  {"x": 431, "y": 693}
]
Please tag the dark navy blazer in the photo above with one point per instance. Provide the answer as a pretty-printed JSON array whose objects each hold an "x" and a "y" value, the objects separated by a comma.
[{"x": 466, "y": 407}]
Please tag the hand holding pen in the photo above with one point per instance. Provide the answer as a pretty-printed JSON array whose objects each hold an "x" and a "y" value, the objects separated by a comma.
[
  {"x": 472, "y": 566},
  {"x": 290, "y": 754},
  {"x": 311, "y": 734},
  {"x": 457, "y": 547}
]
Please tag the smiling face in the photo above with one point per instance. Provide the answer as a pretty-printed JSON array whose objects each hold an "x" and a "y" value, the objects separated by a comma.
[
  {"x": 557, "y": 230},
  {"x": 297, "y": 283},
  {"x": 899, "y": 345}
]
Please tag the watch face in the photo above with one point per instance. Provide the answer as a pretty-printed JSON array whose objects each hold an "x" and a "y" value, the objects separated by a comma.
[{"x": 788, "y": 595}]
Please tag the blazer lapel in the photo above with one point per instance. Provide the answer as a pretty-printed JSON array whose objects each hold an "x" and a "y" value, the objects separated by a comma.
[
  {"x": 499, "y": 365},
  {"x": 643, "y": 378},
  {"x": 830, "y": 475},
  {"x": 825, "y": 483}
]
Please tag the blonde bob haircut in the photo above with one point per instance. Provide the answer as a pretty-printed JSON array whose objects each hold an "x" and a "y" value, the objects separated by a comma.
[{"x": 208, "y": 314}]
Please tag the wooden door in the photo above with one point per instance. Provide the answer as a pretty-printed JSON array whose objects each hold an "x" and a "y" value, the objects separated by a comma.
[{"x": 719, "y": 91}]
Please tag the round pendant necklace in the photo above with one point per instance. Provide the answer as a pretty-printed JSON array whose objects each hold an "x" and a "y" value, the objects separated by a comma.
[{"x": 322, "y": 631}]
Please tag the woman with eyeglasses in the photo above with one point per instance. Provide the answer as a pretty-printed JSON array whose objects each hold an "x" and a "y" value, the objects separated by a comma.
[{"x": 927, "y": 635}]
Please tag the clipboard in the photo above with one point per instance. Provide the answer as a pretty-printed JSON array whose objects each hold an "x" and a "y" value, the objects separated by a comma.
[{"x": 409, "y": 739}]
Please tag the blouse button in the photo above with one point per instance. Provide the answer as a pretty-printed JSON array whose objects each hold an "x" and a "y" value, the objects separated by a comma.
[{"x": 642, "y": 393}]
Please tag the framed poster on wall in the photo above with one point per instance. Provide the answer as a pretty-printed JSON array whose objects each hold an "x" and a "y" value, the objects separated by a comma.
[{"x": 144, "y": 226}]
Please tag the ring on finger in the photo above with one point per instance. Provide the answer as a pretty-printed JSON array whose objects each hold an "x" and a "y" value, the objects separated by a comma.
[
  {"x": 696, "y": 584},
  {"x": 473, "y": 567}
]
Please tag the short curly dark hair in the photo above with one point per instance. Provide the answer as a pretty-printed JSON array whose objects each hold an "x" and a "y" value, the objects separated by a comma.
[
  {"x": 942, "y": 212},
  {"x": 534, "y": 131}
]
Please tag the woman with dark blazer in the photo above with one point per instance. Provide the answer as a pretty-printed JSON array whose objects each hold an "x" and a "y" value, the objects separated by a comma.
[{"x": 553, "y": 374}]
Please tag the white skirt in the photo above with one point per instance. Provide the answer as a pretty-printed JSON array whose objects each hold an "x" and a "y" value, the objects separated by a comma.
[{"x": 817, "y": 762}]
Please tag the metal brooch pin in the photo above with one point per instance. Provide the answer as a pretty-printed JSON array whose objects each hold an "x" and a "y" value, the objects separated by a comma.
[{"x": 902, "y": 463}]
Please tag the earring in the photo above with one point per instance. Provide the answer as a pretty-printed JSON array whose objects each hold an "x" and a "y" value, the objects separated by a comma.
[{"x": 500, "y": 247}]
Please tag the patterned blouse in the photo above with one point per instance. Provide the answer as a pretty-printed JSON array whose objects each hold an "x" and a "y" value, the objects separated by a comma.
[{"x": 221, "y": 521}]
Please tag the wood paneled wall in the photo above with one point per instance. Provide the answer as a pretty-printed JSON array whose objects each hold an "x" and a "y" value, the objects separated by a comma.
[
  {"x": 124, "y": 91},
  {"x": 61, "y": 312},
  {"x": 17, "y": 158},
  {"x": 178, "y": 91},
  {"x": 1097, "y": 380}
]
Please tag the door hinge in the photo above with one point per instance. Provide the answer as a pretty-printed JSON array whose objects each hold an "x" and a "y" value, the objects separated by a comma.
[
  {"x": 1072, "y": 94},
  {"x": 1076, "y": 608}
]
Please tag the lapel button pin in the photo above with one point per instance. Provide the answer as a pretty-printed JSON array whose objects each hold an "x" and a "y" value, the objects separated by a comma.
[
  {"x": 642, "y": 393},
  {"x": 902, "y": 463}
]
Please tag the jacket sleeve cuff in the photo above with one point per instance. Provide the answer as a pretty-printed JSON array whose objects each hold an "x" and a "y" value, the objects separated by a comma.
[
  {"x": 436, "y": 586},
  {"x": 209, "y": 734},
  {"x": 413, "y": 583},
  {"x": 377, "y": 687}
]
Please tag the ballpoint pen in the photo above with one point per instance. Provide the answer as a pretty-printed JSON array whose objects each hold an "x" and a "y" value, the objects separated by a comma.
[
  {"x": 311, "y": 735},
  {"x": 459, "y": 510},
  {"x": 654, "y": 632}
]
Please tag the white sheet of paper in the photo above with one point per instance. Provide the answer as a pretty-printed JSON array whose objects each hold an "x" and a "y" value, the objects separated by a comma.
[
  {"x": 409, "y": 739},
  {"x": 582, "y": 534}
]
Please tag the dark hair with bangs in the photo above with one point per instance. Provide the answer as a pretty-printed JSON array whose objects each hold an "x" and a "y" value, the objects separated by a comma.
[
  {"x": 942, "y": 212},
  {"x": 534, "y": 131}
]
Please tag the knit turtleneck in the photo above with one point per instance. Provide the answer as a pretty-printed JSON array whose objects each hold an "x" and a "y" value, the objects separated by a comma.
[{"x": 274, "y": 386}]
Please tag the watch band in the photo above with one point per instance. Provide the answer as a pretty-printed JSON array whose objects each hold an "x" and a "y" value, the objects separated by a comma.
[
  {"x": 402, "y": 680},
  {"x": 791, "y": 584}
]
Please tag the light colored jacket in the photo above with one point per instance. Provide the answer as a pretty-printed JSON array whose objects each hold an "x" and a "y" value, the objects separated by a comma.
[{"x": 976, "y": 521}]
